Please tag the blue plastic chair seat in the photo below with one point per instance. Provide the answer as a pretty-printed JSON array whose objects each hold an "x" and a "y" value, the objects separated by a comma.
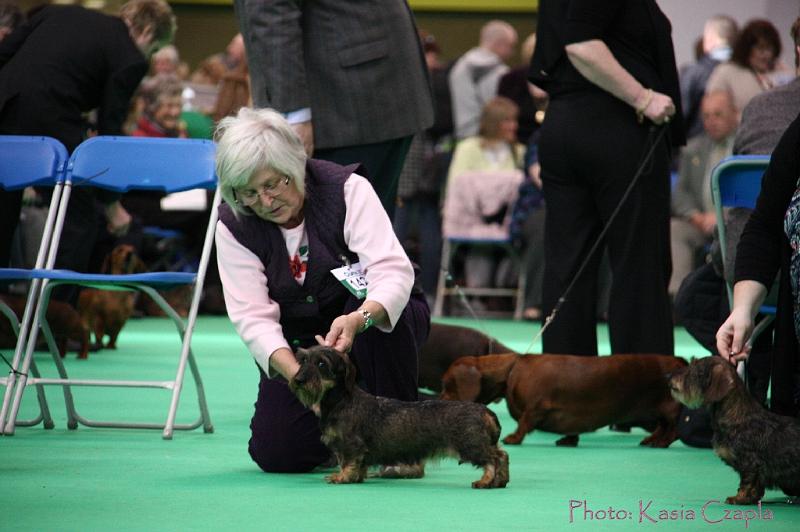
[{"x": 159, "y": 280}]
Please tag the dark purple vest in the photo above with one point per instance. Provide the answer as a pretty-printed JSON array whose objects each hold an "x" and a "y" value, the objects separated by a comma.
[{"x": 306, "y": 309}]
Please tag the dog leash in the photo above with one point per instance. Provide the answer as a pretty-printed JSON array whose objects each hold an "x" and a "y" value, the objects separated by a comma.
[
  {"x": 12, "y": 367},
  {"x": 650, "y": 143},
  {"x": 462, "y": 297}
]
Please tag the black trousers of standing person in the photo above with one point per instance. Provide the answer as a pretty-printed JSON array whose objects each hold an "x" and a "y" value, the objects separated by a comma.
[
  {"x": 285, "y": 434},
  {"x": 10, "y": 208},
  {"x": 383, "y": 161},
  {"x": 590, "y": 149}
]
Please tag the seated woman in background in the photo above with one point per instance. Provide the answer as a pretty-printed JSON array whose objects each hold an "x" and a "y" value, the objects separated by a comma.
[
  {"x": 287, "y": 227},
  {"x": 482, "y": 186},
  {"x": 752, "y": 67}
]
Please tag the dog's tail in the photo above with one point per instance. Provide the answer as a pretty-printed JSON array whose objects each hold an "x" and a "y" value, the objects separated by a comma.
[{"x": 492, "y": 424}]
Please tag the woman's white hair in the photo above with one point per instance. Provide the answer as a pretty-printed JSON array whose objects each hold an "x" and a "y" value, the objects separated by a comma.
[{"x": 253, "y": 141}]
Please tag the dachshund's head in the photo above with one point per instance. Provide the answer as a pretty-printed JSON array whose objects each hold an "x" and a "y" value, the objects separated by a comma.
[
  {"x": 321, "y": 369},
  {"x": 703, "y": 382},
  {"x": 123, "y": 260}
]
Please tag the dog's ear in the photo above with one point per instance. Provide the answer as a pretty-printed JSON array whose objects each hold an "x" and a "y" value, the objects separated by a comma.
[
  {"x": 106, "y": 267},
  {"x": 721, "y": 382},
  {"x": 300, "y": 351},
  {"x": 349, "y": 372},
  {"x": 135, "y": 264},
  {"x": 462, "y": 382}
]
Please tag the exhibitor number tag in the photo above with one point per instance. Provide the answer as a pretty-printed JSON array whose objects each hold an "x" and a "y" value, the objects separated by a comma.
[{"x": 353, "y": 278}]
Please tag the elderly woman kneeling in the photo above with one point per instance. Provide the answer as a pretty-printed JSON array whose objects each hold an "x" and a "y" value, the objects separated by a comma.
[{"x": 288, "y": 230}]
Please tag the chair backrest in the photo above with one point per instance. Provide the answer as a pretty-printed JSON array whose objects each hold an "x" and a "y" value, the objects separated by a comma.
[
  {"x": 736, "y": 180},
  {"x": 30, "y": 161},
  {"x": 122, "y": 164}
]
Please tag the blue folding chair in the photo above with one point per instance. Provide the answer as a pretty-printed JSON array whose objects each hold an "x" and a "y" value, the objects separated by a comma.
[
  {"x": 122, "y": 164},
  {"x": 736, "y": 182},
  {"x": 27, "y": 161}
]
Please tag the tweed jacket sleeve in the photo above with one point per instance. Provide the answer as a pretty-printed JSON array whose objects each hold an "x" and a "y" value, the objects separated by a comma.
[
  {"x": 357, "y": 64},
  {"x": 273, "y": 36}
]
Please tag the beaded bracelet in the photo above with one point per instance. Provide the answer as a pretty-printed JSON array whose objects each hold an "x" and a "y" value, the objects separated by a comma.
[{"x": 640, "y": 110}]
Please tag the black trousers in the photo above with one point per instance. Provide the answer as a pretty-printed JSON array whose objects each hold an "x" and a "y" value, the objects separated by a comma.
[
  {"x": 590, "y": 148},
  {"x": 285, "y": 435},
  {"x": 383, "y": 161},
  {"x": 10, "y": 208}
]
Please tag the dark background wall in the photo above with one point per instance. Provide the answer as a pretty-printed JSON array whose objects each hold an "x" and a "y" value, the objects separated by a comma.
[{"x": 206, "y": 29}]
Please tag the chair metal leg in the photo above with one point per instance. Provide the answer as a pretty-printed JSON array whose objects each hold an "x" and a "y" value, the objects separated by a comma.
[
  {"x": 55, "y": 354},
  {"x": 19, "y": 369},
  {"x": 441, "y": 284}
]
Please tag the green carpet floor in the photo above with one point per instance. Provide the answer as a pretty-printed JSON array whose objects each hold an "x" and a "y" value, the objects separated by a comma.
[{"x": 104, "y": 479}]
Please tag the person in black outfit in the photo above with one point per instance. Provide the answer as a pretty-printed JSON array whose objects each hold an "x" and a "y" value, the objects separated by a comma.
[
  {"x": 62, "y": 63},
  {"x": 609, "y": 69},
  {"x": 764, "y": 252}
]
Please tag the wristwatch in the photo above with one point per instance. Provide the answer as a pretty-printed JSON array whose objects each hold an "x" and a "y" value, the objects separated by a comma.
[{"x": 367, "y": 315}]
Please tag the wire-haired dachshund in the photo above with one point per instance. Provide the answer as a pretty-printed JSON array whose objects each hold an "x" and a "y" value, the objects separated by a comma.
[
  {"x": 568, "y": 394},
  {"x": 764, "y": 448},
  {"x": 106, "y": 311},
  {"x": 363, "y": 430}
]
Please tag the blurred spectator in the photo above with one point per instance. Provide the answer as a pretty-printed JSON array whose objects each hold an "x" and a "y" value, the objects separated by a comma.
[
  {"x": 693, "y": 218},
  {"x": 417, "y": 221},
  {"x": 161, "y": 114},
  {"x": 10, "y": 17},
  {"x": 514, "y": 86},
  {"x": 234, "y": 93},
  {"x": 213, "y": 68},
  {"x": 56, "y": 67},
  {"x": 482, "y": 187},
  {"x": 474, "y": 77},
  {"x": 719, "y": 34},
  {"x": 754, "y": 58},
  {"x": 168, "y": 61},
  {"x": 184, "y": 212},
  {"x": 768, "y": 115}
]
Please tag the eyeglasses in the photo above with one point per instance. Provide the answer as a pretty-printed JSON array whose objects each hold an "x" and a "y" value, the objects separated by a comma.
[{"x": 269, "y": 190}]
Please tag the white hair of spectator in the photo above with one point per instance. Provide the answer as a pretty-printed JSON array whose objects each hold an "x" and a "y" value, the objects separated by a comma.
[
  {"x": 168, "y": 53},
  {"x": 252, "y": 141}
]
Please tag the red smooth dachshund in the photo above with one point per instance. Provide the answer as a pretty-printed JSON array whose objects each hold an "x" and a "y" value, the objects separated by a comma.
[{"x": 568, "y": 394}]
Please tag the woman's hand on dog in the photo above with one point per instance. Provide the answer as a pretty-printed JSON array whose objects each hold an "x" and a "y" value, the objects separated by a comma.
[
  {"x": 342, "y": 333},
  {"x": 733, "y": 336}
]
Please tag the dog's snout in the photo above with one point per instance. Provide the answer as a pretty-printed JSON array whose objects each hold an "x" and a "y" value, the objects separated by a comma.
[{"x": 300, "y": 378}]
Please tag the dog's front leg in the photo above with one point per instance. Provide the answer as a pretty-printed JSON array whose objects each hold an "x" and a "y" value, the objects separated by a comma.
[
  {"x": 527, "y": 422},
  {"x": 750, "y": 490},
  {"x": 351, "y": 472}
]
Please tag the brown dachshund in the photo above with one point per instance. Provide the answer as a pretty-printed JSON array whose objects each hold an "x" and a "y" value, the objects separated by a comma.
[
  {"x": 64, "y": 321},
  {"x": 444, "y": 345},
  {"x": 106, "y": 311},
  {"x": 568, "y": 394}
]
